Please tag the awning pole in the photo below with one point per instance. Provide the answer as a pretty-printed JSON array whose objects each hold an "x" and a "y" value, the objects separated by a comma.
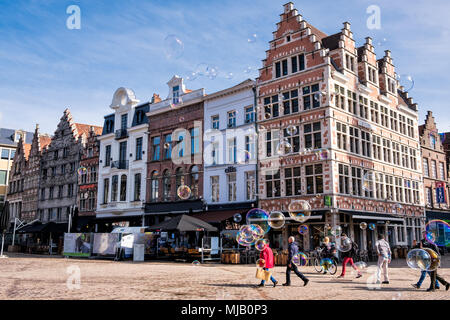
[
  {"x": 3, "y": 242},
  {"x": 14, "y": 231}
]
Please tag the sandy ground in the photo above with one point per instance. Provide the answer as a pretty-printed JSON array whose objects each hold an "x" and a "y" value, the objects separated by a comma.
[{"x": 43, "y": 277}]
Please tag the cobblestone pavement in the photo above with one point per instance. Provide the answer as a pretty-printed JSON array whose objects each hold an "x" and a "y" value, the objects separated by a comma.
[{"x": 43, "y": 277}]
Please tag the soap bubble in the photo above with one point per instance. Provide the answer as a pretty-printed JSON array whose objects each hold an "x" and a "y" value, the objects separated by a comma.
[
  {"x": 191, "y": 76},
  {"x": 300, "y": 259},
  {"x": 277, "y": 220},
  {"x": 322, "y": 154},
  {"x": 229, "y": 75},
  {"x": 184, "y": 192},
  {"x": 418, "y": 259},
  {"x": 244, "y": 156},
  {"x": 343, "y": 244},
  {"x": 336, "y": 231},
  {"x": 368, "y": 181},
  {"x": 303, "y": 229},
  {"x": 195, "y": 263},
  {"x": 173, "y": 47},
  {"x": 212, "y": 72},
  {"x": 438, "y": 233},
  {"x": 300, "y": 210},
  {"x": 284, "y": 148},
  {"x": 166, "y": 145},
  {"x": 81, "y": 171},
  {"x": 202, "y": 69},
  {"x": 291, "y": 130},
  {"x": 237, "y": 218},
  {"x": 318, "y": 96},
  {"x": 252, "y": 38},
  {"x": 363, "y": 226},
  {"x": 260, "y": 244},
  {"x": 372, "y": 226},
  {"x": 406, "y": 81},
  {"x": 259, "y": 217}
]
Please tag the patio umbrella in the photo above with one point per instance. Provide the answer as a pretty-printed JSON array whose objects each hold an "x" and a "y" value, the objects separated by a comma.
[
  {"x": 4, "y": 223},
  {"x": 183, "y": 223}
]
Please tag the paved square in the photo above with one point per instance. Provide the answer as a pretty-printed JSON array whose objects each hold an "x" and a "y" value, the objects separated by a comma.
[{"x": 43, "y": 277}]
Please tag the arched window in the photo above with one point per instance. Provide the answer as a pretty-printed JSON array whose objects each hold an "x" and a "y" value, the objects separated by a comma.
[
  {"x": 194, "y": 182},
  {"x": 166, "y": 185},
  {"x": 123, "y": 188},
  {"x": 154, "y": 187}
]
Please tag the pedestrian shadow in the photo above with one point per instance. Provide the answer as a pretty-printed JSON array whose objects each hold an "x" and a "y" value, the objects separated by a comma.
[
  {"x": 234, "y": 285},
  {"x": 387, "y": 289}
]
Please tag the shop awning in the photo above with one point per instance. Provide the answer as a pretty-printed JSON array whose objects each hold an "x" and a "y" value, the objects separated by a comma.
[
  {"x": 216, "y": 217},
  {"x": 183, "y": 223},
  {"x": 438, "y": 215},
  {"x": 38, "y": 227},
  {"x": 374, "y": 216}
]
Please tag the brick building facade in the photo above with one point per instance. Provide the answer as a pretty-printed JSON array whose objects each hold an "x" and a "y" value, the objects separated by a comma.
[
  {"x": 175, "y": 148},
  {"x": 336, "y": 130},
  {"x": 435, "y": 170}
]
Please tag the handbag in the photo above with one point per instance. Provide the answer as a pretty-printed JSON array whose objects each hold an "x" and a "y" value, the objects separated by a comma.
[{"x": 263, "y": 274}]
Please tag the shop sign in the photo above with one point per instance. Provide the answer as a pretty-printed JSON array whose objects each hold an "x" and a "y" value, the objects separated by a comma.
[{"x": 328, "y": 201}]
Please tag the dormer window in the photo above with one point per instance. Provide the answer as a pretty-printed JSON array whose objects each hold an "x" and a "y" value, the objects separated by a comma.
[
  {"x": 124, "y": 121},
  {"x": 176, "y": 94},
  {"x": 18, "y": 136},
  {"x": 139, "y": 117}
]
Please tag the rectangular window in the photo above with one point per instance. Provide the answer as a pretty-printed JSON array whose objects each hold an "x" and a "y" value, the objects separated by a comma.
[
  {"x": 42, "y": 194},
  {"x": 441, "y": 171},
  {"x": 398, "y": 189},
  {"x": 115, "y": 188},
  {"x": 341, "y": 136},
  {"x": 387, "y": 150},
  {"x": 139, "y": 148},
  {"x": 271, "y": 107},
  {"x": 374, "y": 115},
  {"x": 277, "y": 69},
  {"x": 176, "y": 94},
  {"x": 156, "y": 147},
  {"x": 310, "y": 99},
  {"x": 365, "y": 142},
  {"x": 3, "y": 177},
  {"x": 232, "y": 119},
  {"x": 250, "y": 148},
  {"x": 294, "y": 63},
  {"x": 250, "y": 114},
  {"x": 293, "y": 137},
  {"x": 250, "y": 182},
  {"x": 292, "y": 180},
  {"x": 60, "y": 191},
  {"x": 215, "y": 197},
  {"x": 65, "y": 152},
  {"x": 232, "y": 150},
  {"x": 137, "y": 187},
  {"x": 124, "y": 121},
  {"x": 273, "y": 184},
  {"x": 313, "y": 135},
  {"x": 376, "y": 147},
  {"x": 389, "y": 182},
  {"x": 339, "y": 96},
  {"x": 352, "y": 103},
  {"x": 70, "y": 190},
  {"x": 433, "y": 169},
  {"x": 354, "y": 140},
  {"x": 426, "y": 171},
  {"x": 167, "y": 146},
  {"x": 123, "y": 188},
  {"x": 107, "y": 156},
  {"x": 363, "y": 108},
  {"x": 379, "y": 186},
  {"x": 314, "y": 179},
  {"x": 290, "y": 102},
  {"x": 231, "y": 177},
  {"x": 301, "y": 60},
  {"x": 215, "y": 122},
  {"x": 284, "y": 64},
  {"x": 51, "y": 193},
  {"x": 344, "y": 179},
  {"x": 429, "y": 195},
  {"x": 356, "y": 181},
  {"x": 195, "y": 140},
  {"x": 272, "y": 140},
  {"x": 215, "y": 153}
]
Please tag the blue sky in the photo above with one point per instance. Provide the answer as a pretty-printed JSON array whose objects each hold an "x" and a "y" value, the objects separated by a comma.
[{"x": 45, "y": 67}]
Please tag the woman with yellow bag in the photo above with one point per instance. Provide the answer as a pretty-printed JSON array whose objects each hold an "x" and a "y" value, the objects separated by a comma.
[{"x": 266, "y": 262}]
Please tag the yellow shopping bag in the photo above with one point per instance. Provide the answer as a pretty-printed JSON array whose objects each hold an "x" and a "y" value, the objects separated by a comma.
[{"x": 263, "y": 274}]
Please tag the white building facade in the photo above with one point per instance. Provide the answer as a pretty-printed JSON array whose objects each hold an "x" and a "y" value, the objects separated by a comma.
[
  {"x": 230, "y": 150},
  {"x": 123, "y": 162}
]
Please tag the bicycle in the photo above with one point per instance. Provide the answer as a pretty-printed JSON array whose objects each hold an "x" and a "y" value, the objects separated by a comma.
[{"x": 327, "y": 266}]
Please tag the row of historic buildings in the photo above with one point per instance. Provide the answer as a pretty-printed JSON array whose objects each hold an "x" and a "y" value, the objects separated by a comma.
[{"x": 326, "y": 121}]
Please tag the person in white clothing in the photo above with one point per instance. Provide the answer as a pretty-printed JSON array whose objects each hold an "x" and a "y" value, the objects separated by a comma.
[{"x": 384, "y": 258}]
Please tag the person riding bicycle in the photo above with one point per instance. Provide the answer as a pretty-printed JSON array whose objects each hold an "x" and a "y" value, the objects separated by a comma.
[{"x": 328, "y": 252}]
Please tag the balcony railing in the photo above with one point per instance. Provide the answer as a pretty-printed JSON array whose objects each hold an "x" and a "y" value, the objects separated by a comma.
[
  {"x": 121, "y": 164},
  {"x": 121, "y": 134}
]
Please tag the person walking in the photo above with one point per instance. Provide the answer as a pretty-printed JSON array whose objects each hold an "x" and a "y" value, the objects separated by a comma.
[
  {"x": 348, "y": 255},
  {"x": 267, "y": 256},
  {"x": 384, "y": 258},
  {"x": 293, "y": 250},
  {"x": 424, "y": 244}
]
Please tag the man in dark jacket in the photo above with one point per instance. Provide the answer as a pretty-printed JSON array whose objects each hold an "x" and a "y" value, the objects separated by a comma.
[{"x": 293, "y": 250}]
